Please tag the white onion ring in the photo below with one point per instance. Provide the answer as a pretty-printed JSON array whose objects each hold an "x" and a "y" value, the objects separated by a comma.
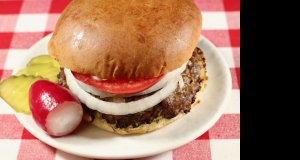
[
  {"x": 93, "y": 90},
  {"x": 120, "y": 108},
  {"x": 180, "y": 82},
  {"x": 161, "y": 83}
]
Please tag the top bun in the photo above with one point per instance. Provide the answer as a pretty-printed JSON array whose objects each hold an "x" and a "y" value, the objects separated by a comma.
[{"x": 127, "y": 38}]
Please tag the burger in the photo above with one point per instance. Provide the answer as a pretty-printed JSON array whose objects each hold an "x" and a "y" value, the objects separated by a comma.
[{"x": 134, "y": 65}]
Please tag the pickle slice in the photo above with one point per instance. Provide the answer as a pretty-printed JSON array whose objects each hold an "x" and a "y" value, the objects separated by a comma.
[
  {"x": 43, "y": 59},
  {"x": 15, "y": 91},
  {"x": 45, "y": 70}
]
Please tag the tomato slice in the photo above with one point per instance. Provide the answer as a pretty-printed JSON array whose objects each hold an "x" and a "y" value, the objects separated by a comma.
[{"x": 121, "y": 86}]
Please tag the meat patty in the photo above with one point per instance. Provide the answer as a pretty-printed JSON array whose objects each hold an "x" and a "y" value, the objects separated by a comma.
[{"x": 179, "y": 101}]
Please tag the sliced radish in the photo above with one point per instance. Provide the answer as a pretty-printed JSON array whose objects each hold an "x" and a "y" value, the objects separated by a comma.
[{"x": 54, "y": 108}]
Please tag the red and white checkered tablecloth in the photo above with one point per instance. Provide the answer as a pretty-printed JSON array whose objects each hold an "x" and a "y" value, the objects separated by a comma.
[{"x": 24, "y": 22}]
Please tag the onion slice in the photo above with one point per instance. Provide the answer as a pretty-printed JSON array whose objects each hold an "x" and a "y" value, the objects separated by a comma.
[
  {"x": 93, "y": 90},
  {"x": 161, "y": 83},
  {"x": 120, "y": 108}
]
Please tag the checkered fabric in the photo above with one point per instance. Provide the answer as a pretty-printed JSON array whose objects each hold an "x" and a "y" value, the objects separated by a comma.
[{"x": 24, "y": 22}]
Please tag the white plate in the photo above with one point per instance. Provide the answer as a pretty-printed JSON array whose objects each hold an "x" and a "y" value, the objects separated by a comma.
[{"x": 88, "y": 141}]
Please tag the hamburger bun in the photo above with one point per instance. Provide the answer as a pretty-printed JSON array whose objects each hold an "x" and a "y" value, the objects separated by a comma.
[{"x": 121, "y": 39}]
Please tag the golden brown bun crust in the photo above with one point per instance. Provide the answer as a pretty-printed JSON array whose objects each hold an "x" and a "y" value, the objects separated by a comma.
[
  {"x": 126, "y": 39},
  {"x": 157, "y": 123}
]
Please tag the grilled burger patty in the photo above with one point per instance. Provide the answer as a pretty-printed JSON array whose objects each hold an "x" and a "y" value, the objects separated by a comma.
[{"x": 179, "y": 101}]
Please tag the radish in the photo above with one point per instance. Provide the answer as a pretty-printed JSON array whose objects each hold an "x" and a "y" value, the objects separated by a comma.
[{"x": 54, "y": 108}]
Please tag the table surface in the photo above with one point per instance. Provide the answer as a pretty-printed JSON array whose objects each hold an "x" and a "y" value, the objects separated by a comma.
[{"x": 24, "y": 22}]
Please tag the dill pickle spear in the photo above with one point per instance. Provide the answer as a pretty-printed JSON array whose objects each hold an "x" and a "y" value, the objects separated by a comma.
[
  {"x": 43, "y": 59},
  {"x": 15, "y": 91},
  {"x": 45, "y": 70}
]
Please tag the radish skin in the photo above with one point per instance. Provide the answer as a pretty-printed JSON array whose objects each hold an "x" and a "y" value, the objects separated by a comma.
[{"x": 54, "y": 108}]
